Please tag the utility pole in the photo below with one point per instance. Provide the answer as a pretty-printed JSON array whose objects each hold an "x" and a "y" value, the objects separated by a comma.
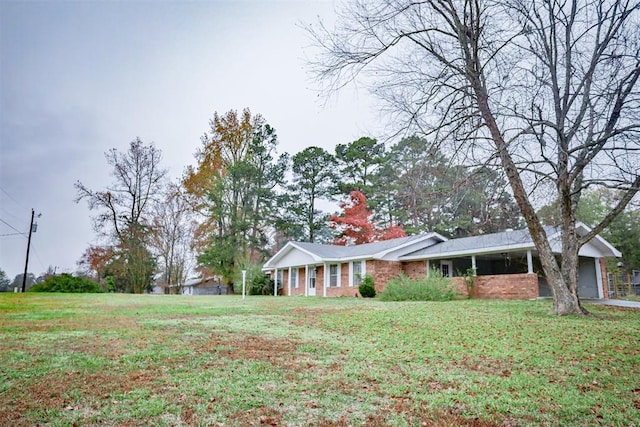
[{"x": 26, "y": 263}]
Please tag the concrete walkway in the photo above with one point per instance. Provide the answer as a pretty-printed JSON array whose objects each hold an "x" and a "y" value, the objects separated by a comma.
[{"x": 614, "y": 302}]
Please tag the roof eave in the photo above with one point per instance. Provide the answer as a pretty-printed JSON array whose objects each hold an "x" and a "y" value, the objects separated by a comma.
[
  {"x": 480, "y": 251},
  {"x": 382, "y": 254}
]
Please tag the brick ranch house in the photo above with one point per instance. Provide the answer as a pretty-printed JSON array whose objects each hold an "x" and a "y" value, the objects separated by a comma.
[{"x": 504, "y": 265}]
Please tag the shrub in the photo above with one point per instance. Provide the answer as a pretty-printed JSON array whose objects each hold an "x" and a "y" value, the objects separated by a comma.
[
  {"x": 432, "y": 288},
  {"x": 368, "y": 288},
  {"x": 254, "y": 272},
  {"x": 261, "y": 285},
  {"x": 68, "y": 284}
]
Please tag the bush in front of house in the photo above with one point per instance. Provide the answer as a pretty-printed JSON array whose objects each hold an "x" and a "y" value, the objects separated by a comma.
[
  {"x": 432, "y": 288},
  {"x": 367, "y": 288},
  {"x": 68, "y": 284},
  {"x": 261, "y": 285}
]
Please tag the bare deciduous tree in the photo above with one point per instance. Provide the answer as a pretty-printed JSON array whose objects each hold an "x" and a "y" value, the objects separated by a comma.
[
  {"x": 173, "y": 228},
  {"x": 124, "y": 208},
  {"x": 545, "y": 90}
]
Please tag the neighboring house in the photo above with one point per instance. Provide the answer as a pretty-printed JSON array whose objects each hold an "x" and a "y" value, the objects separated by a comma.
[
  {"x": 503, "y": 265},
  {"x": 204, "y": 286}
]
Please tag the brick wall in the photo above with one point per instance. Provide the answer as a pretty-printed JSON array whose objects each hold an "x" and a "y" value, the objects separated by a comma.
[
  {"x": 285, "y": 282},
  {"x": 343, "y": 290},
  {"x": 344, "y": 275},
  {"x": 415, "y": 269},
  {"x": 503, "y": 286},
  {"x": 319, "y": 280},
  {"x": 383, "y": 271}
]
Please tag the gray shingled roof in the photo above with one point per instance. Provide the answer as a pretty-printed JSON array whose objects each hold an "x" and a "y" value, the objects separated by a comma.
[
  {"x": 482, "y": 243},
  {"x": 366, "y": 250}
]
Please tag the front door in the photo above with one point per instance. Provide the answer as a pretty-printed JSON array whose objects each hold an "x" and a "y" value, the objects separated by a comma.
[{"x": 311, "y": 283}]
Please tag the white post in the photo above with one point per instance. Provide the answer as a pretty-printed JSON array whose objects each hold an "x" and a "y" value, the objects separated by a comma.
[
  {"x": 428, "y": 267},
  {"x": 244, "y": 282},
  {"x": 325, "y": 279},
  {"x": 275, "y": 285},
  {"x": 289, "y": 282},
  {"x": 473, "y": 264},
  {"x": 306, "y": 280},
  {"x": 529, "y": 262}
]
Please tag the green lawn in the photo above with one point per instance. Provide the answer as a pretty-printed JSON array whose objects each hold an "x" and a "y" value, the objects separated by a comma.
[{"x": 176, "y": 360}]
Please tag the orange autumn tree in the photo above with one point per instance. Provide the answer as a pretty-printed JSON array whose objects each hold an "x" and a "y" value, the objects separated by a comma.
[{"x": 355, "y": 224}]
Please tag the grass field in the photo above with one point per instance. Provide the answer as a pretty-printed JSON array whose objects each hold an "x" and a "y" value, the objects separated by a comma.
[{"x": 174, "y": 360}]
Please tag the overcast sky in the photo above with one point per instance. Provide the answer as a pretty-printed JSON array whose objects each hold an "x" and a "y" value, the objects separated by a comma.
[{"x": 78, "y": 78}]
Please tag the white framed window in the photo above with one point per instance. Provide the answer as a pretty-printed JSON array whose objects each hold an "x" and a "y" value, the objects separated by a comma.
[
  {"x": 446, "y": 268},
  {"x": 312, "y": 278},
  {"x": 294, "y": 278},
  {"x": 357, "y": 273},
  {"x": 334, "y": 275},
  {"x": 280, "y": 278}
]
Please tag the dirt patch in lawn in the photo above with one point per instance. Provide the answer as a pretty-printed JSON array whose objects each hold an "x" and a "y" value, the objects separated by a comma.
[
  {"x": 404, "y": 409},
  {"x": 275, "y": 351},
  {"x": 60, "y": 392}
]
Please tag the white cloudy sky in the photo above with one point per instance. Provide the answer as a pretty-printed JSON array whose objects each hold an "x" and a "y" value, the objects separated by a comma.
[{"x": 78, "y": 78}]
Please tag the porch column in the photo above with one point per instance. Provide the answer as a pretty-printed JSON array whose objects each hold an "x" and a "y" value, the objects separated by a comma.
[
  {"x": 325, "y": 279},
  {"x": 428, "y": 268},
  {"x": 289, "y": 283},
  {"x": 599, "y": 277},
  {"x": 306, "y": 280},
  {"x": 473, "y": 264},
  {"x": 529, "y": 262},
  {"x": 275, "y": 285}
]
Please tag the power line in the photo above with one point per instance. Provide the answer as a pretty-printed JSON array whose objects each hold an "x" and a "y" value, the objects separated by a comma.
[
  {"x": 2, "y": 208},
  {"x": 11, "y": 197},
  {"x": 11, "y": 234},
  {"x": 11, "y": 226}
]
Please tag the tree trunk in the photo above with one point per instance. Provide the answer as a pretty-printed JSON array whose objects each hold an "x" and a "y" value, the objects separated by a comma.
[{"x": 565, "y": 297}]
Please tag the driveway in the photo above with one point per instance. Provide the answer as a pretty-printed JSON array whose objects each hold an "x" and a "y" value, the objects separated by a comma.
[{"x": 614, "y": 302}]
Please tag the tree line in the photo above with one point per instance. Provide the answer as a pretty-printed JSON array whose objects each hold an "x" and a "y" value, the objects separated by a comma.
[{"x": 242, "y": 200}]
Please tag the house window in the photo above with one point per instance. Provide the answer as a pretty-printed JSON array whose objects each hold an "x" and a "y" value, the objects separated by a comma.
[
  {"x": 312, "y": 278},
  {"x": 294, "y": 278},
  {"x": 333, "y": 275},
  {"x": 356, "y": 273},
  {"x": 280, "y": 278},
  {"x": 446, "y": 268}
]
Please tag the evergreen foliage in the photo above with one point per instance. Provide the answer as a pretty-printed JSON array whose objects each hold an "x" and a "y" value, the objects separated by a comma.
[
  {"x": 367, "y": 288},
  {"x": 432, "y": 288},
  {"x": 66, "y": 283},
  {"x": 4, "y": 281},
  {"x": 261, "y": 285}
]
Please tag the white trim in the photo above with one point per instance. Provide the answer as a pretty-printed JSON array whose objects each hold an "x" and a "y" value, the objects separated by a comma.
[
  {"x": 325, "y": 281},
  {"x": 599, "y": 278},
  {"x": 476, "y": 251},
  {"x": 449, "y": 264},
  {"x": 312, "y": 271},
  {"x": 586, "y": 229},
  {"x": 285, "y": 250},
  {"x": 382, "y": 254},
  {"x": 352, "y": 275},
  {"x": 338, "y": 274},
  {"x": 275, "y": 284},
  {"x": 306, "y": 280},
  {"x": 350, "y": 284}
]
